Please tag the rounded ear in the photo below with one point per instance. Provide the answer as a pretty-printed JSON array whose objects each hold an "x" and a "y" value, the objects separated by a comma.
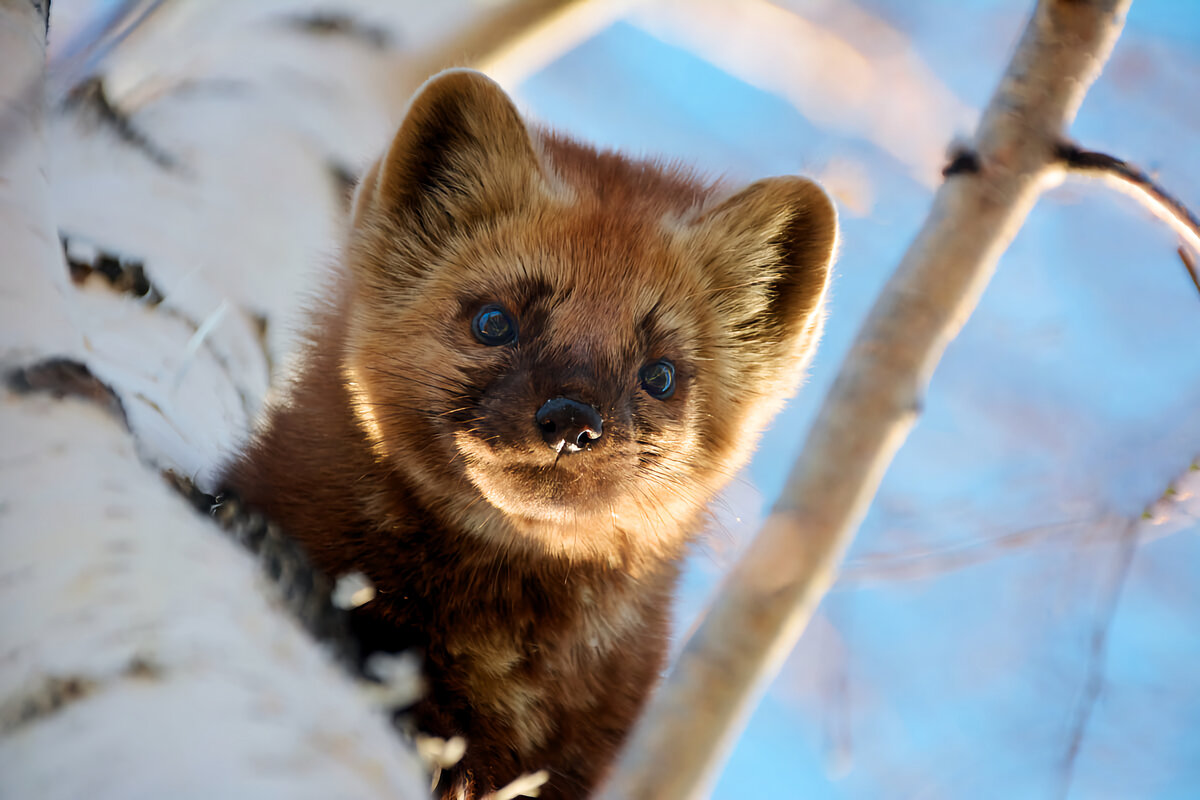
[
  {"x": 462, "y": 153},
  {"x": 770, "y": 249}
]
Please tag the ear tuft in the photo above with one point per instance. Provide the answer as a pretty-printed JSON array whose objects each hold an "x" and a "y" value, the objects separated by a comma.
[{"x": 462, "y": 153}]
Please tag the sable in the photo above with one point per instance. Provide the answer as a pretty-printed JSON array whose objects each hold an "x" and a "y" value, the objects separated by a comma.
[{"x": 534, "y": 367}]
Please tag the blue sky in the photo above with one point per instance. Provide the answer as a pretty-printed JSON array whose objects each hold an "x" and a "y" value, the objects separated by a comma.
[{"x": 1069, "y": 403}]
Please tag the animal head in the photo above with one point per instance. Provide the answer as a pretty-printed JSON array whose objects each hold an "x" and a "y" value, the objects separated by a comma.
[{"x": 582, "y": 346}]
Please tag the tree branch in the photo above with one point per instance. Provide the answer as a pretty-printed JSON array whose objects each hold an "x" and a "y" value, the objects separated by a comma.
[
  {"x": 770, "y": 594},
  {"x": 1173, "y": 511},
  {"x": 1098, "y": 653},
  {"x": 514, "y": 40},
  {"x": 1189, "y": 263},
  {"x": 1131, "y": 180}
]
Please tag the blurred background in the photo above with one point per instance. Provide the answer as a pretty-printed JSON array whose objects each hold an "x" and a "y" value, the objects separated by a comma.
[{"x": 1020, "y": 612}]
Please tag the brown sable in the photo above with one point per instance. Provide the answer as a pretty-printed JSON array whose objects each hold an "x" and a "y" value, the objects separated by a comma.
[{"x": 536, "y": 365}]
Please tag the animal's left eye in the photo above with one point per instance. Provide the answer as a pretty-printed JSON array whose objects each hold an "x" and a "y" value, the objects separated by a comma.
[
  {"x": 493, "y": 326},
  {"x": 658, "y": 379}
]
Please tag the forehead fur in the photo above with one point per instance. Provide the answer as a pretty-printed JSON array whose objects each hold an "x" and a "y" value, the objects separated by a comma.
[
  {"x": 598, "y": 242},
  {"x": 616, "y": 182}
]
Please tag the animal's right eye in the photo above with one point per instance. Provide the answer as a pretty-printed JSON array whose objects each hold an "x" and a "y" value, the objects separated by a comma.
[
  {"x": 494, "y": 326},
  {"x": 658, "y": 379}
]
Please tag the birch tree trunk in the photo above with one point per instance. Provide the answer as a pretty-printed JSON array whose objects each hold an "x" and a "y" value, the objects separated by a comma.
[{"x": 142, "y": 653}]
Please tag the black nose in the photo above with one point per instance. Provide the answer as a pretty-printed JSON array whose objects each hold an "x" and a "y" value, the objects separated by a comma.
[{"x": 569, "y": 424}]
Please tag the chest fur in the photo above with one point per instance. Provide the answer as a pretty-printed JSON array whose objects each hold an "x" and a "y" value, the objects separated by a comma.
[{"x": 535, "y": 664}]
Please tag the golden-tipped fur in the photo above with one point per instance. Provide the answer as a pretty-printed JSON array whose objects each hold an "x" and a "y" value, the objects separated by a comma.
[{"x": 535, "y": 579}]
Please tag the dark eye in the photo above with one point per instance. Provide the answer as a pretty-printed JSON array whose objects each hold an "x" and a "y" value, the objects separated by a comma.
[
  {"x": 658, "y": 379},
  {"x": 493, "y": 326}
]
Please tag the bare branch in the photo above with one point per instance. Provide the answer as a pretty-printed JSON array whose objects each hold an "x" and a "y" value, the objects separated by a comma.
[
  {"x": 886, "y": 93},
  {"x": 926, "y": 563},
  {"x": 1098, "y": 652},
  {"x": 515, "y": 40},
  {"x": 770, "y": 594},
  {"x": 1189, "y": 263},
  {"x": 1170, "y": 513},
  {"x": 931, "y": 563},
  {"x": 1131, "y": 180},
  {"x": 1152, "y": 523}
]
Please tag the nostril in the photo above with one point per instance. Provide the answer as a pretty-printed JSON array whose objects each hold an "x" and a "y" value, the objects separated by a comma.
[{"x": 569, "y": 423}]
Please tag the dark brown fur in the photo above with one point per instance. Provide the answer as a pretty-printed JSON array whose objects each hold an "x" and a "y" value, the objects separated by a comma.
[{"x": 537, "y": 585}]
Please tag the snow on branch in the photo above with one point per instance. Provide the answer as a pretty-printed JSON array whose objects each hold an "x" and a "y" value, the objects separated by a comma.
[{"x": 769, "y": 596}]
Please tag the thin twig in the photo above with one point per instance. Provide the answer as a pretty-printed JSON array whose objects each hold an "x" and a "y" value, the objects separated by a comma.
[
  {"x": 1098, "y": 653},
  {"x": 1134, "y": 533},
  {"x": 931, "y": 562},
  {"x": 1133, "y": 181},
  {"x": 1189, "y": 263},
  {"x": 769, "y": 596},
  {"x": 1168, "y": 514}
]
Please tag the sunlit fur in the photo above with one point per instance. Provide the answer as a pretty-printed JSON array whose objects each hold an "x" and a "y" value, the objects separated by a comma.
[{"x": 536, "y": 583}]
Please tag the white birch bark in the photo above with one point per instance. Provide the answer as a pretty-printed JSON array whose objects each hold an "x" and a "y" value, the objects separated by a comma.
[
  {"x": 139, "y": 653},
  {"x": 142, "y": 654}
]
